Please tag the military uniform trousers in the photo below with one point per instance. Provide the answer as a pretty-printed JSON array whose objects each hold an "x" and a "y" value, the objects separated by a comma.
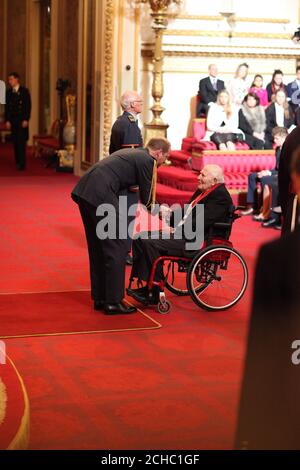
[{"x": 107, "y": 257}]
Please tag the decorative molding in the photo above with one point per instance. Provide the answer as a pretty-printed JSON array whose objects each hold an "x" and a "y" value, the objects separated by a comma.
[
  {"x": 195, "y": 32},
  {"x": 253, "y": 55},
  {"x": 237, "y": 19},
  {"x": 108, "y": 72},
  {"x": 227, "y": 46}
]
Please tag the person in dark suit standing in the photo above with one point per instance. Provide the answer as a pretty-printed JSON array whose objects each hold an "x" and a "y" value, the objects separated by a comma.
[
  {"x": 17, "y": 116},
  {"x": 293, "y": 92},
  {"x": 287, "y": 194},
  {"x": 216, "y": 200},
  {"x": 269, "y": 405},
  {"x": 126, "y": 133},
  {"x": 209, "y": 88},
  {"x": 96, "y": 193}
]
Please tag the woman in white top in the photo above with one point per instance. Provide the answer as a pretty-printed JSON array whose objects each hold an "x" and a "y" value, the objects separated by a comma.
[
  {"x": 278, "y": 114},
  {"x": 222, "y": 123},
  {"x": 237, "y": 87}
]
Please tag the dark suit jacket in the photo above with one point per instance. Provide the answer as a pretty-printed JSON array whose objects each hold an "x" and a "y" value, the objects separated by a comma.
[
  {"x": 271, "y": 91},
  {"x": 208, "y": 94},
  {"x": 286, "y": 197},
  {"x": 293, "y": 92},
  {"x": 125, "y": 133},
  {"x": 271, "y": 121},
  {"x": 216, "y": 208},
  {"x": 106, "y": 179},
  {"x": 270, "y": 406},
  {"x": 18, "y": 107}
]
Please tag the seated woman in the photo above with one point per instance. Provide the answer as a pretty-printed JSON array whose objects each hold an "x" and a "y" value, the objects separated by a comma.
[
  {"x": 278, "y": 114},
  {"x": 238, "y": 87},
  {"x": 252, "y": 121},
  {"x": 257, "y": 88},
  {"x": 265, "y": 178},
  {"x": 275, "y": 84},
  {"x": 222, "y": 123}
]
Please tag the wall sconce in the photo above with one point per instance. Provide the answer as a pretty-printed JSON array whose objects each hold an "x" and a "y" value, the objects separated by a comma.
[{"x": 230, "y": 17}]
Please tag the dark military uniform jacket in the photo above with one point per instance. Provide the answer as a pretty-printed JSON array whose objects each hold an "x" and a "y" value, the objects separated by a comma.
[
  {"x": 18, "y": 108},
  {"x": 108, "y": 178},
  {"x": 125, "y": 133}
]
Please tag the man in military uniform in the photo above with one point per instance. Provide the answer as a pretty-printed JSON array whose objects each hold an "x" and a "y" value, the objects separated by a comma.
[
  {"x": 125, "y": 132},
  {"x": 17, "y": 115},
  {"x": 103, "y": 184}
]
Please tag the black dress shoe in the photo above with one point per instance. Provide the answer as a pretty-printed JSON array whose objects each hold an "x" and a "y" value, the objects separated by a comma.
[
  {"x": 141, "y": 291},
  {"x": 115, "y": 309},
  {"x": 144, "y": 296},
  {"x": 270, "y": 223},
  {"x": 99, "y": 305},
  {"x": 141, "y": 297},
  {"x": 129, "y": 260}
]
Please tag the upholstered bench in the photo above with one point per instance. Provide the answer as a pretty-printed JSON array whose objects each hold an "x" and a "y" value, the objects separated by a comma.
[
  {"x": 177, "y": 177},
  {"x": 237, "y": 165}
]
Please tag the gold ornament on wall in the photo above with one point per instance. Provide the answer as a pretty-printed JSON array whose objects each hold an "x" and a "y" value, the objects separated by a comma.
[{"x": 159, "y": 12}]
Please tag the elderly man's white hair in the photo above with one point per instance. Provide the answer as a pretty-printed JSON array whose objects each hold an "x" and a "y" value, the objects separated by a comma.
[
  {"x": 127, "y": 98},
  {"x": 216, "y": 171}
]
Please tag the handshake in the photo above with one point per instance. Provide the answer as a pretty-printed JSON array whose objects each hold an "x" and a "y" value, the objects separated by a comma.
[{"x": 165, "y": 213}]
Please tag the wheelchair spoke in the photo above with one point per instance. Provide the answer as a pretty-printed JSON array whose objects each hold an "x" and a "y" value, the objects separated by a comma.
[{"x": 225, "y": 273}]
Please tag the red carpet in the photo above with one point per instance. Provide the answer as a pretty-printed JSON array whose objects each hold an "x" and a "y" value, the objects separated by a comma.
[
  {"x": 61, "y": 313},
  {"x": 174, "y": 387}
]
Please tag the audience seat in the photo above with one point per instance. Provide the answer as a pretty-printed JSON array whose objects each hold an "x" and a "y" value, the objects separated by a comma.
[{"x": 178, "y": 182}]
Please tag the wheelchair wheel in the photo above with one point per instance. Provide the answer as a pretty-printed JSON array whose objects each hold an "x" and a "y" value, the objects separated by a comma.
[
  {"x": 164, "y": 307},
  {"x": 175, "y": 275},
  {"x": 217, "y": 278}
]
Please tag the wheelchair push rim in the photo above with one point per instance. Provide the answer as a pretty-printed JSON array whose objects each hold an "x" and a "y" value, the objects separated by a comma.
[
  {"x": 222, "y": 274},
  {"x": 176, "y": 279}
]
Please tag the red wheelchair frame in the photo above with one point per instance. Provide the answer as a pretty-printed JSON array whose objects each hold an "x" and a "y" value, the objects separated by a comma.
[{"x": 212, "y": 257}]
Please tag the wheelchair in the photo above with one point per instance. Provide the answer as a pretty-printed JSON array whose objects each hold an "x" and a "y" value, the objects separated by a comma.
[{"x": 216, "y": 277}]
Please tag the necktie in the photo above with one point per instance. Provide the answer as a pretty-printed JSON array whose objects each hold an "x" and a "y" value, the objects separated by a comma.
[{"x": 215, "y": 84}]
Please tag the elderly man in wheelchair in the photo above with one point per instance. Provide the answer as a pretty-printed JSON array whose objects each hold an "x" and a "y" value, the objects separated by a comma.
[{"x": 213, "y": 273}]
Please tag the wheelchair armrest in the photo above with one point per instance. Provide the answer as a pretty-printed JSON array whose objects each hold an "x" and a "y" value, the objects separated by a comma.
[{"x": 222, "y": 225}]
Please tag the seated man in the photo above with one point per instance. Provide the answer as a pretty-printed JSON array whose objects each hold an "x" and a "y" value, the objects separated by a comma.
[
  {"x": 216, "y": 201},
  {"x": 209, "y": 87},
  {"x": 265, "y": 177}
]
